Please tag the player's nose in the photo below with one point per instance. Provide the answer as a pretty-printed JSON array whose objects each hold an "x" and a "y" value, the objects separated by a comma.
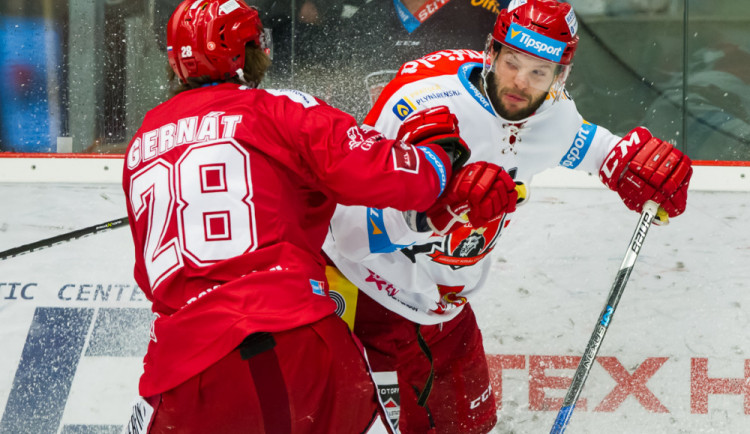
[{"x": 521, "y": 81}]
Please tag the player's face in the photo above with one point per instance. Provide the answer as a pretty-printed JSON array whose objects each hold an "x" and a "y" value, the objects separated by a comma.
[{"x": 520, "y": 83}]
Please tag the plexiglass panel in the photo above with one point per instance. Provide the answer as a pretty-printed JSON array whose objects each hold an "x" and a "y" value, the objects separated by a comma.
[{"x": 78, "y": 75}]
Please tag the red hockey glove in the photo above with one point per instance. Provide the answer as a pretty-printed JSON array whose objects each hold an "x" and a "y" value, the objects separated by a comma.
[
  {"x": 439, "y": 126},
  {"x": 642, "y": 167},
  {"x": 478, "y": 194}
]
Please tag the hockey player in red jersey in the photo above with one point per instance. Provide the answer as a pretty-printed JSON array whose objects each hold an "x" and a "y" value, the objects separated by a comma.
[
  {"x": 409, "y": 287},
  {"x": 229, "y": 192}
]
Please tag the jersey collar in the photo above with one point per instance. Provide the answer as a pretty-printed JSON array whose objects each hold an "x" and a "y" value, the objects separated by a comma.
[{"x": 464, "y": 72}]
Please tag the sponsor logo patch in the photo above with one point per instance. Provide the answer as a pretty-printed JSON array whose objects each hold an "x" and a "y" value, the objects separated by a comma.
[
  {"x": 299, "y": 97},
  {"x": 393, "y": 410},
  {"x": 580, "y": 146},
  {"x": 481, "y": 399},
  {"x": 388, "y": 394},
  {"x": 572, "y": 22},
  {"x": 405, "y": 157},
  {"x": 318, "y": 287},
  {"x": 438, "y": 165},
  {"x": 382, "y": 284},
  {"x": 403, "y": 108},
  {"x": 437, "y": 95}
]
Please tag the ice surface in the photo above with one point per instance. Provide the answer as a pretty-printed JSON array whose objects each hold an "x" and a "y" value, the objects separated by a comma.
[{"x": 686, "y": 303}]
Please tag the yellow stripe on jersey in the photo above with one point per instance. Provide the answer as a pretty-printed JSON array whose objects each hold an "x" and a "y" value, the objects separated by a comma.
[
  {"x": 552, "y": 95},
  {"x": 344, "y": 293}
]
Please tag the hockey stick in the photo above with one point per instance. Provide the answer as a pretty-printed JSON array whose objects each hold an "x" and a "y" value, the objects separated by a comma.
[
  {"x": 592, "y": 348},
  {"x": 49, "y": 242}
]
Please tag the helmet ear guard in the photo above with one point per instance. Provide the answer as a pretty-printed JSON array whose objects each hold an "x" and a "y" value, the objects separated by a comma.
[{"x": 207, "y": 38}]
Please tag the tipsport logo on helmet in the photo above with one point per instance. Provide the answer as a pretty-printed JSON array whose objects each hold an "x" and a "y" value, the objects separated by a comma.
[{"x": 535, "y": 43}]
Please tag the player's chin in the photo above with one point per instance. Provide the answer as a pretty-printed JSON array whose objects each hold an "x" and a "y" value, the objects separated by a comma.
[{"x": 514, "y": 113}]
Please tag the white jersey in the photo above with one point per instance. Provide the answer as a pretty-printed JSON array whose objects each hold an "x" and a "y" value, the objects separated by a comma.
[{"x": 426, "y": 278}]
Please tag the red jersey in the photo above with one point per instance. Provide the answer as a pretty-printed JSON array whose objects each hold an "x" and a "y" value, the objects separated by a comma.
[{"x": 229, "y": 193}]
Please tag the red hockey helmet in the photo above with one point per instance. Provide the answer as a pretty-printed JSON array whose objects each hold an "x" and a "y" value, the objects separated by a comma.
[
  {"x": 208, "y": 38},
  {"x": 542, "y": 28}
]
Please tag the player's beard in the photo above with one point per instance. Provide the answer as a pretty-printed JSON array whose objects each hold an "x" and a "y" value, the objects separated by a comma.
[{"x": 497, "y": 103}]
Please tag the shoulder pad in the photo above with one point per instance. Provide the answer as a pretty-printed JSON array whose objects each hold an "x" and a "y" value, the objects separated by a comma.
[{"x": 439, "y": 63}]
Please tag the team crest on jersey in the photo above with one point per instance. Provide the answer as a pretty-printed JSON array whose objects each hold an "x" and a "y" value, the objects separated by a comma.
[
  {"x": 468, "y": 245},
  {"x": 450, "y": 298}
]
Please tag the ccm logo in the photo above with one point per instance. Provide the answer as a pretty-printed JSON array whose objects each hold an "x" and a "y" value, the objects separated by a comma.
[
  {"x": 623, "y": 147},
  {"x": 485, "y": 396}
]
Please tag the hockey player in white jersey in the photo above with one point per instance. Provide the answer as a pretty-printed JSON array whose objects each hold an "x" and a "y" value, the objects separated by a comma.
[{"x": 413, "y": 286}]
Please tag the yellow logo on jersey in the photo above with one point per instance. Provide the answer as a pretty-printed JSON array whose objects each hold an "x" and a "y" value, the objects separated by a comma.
[
  {"x": 403, "y": 108},
  {"x": 375, "y": 229}
]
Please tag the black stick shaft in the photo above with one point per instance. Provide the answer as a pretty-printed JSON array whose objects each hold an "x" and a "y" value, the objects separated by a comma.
[{"x": 49, "y": 242}]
